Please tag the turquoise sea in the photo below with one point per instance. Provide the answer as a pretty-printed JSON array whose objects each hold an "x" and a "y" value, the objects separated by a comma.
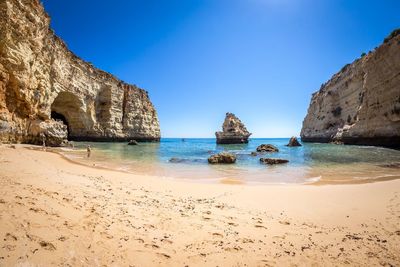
[{"x": 313, "y": 162}]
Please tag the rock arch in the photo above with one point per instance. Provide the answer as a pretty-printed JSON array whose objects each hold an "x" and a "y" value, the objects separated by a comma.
[{"x": 69, "y": 109}]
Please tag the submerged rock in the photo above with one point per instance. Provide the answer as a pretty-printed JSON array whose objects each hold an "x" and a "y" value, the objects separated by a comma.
[
  {"x": 223, "y": 157},
  {"x": 46, "y": 89},
  {"x": 176, "y": 160},
  {"x": 233, "y": 131},
  {"x": 272, "y": 161},
  {"x": 133, "y": 143},
  {"x": 267, "y": 148},
  {"x": 293, "y": 142},
  {"x": 253, "y": 154},
  {"x": 185, "y": 160}
]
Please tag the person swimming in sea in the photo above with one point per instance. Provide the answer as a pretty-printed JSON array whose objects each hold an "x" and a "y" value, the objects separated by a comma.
[{"x": 89, "y": 151}]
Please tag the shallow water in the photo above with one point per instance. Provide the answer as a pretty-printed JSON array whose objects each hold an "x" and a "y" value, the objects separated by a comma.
[{"x": 310, "y": 163}]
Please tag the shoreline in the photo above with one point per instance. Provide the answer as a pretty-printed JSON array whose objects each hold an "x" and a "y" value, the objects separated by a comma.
[
  {"x": 55, "y": 212},
  {"x": 316, "y": 180}
]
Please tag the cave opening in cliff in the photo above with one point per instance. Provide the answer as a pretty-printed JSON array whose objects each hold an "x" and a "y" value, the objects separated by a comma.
[
  {"x": 59, "y": 117},
  {"x": 68, "y": 108}
]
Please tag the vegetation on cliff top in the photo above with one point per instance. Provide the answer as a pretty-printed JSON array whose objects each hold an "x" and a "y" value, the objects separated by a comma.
[{"x": 393, "y": 34}]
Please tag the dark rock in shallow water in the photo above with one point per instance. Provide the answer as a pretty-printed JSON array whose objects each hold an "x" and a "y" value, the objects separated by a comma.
[
  {"x": 180, "y": 160},
  {"x": 293, "y": 142},
  {"x": 272, "y": 161},
  {"x": 176, "y": 160},
  {"x": 233, "y": 131},
  {"x": 223, "y": 157},
  {"x": 253, "y": 154},
  {"x": 133, "y": 143},
  {"x": 336, "y": 142},
  {"x": 267, "y": 148}
]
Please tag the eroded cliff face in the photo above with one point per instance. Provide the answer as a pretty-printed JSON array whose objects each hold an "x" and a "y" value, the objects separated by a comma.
[
  {"x": 45, "y": 88},
  {"x": 361, "y": 103}
]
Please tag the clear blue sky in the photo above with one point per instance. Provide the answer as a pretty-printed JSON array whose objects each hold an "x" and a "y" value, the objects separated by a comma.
[{"x": 260, "y": 59}]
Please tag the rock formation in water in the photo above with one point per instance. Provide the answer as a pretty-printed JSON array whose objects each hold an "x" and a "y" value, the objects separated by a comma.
[
  {"x": 45, "y": 88},
  {"x": 223, "y": 157},
  {"x": 133, "y": 143},
  {"x": 272, "y": 161},
  {"x": 293, "y": 142},
  {"x": 267, "y": 148},
  {"x": 361, "y": 103},
  {"x": 233, "y": 131}
]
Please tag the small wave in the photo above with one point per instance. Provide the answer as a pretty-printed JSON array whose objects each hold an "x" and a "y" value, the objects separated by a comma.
[
  {"x": 123, "y": 168},
  {"x": 313, "y": 180}
]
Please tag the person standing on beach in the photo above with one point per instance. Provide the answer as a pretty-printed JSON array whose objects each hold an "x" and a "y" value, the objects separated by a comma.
[
  {"x": 89, "y": 150},
  {"x": 43, "y": 141}
]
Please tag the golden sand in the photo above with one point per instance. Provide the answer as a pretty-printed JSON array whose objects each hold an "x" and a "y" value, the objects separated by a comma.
[{"x": 57, "y": 213}]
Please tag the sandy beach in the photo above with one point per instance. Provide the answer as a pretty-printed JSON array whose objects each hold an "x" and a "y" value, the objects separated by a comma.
[{"x": 57, "y": 213}]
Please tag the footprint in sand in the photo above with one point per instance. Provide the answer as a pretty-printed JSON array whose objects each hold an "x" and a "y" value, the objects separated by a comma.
[
  {"x": 62, "y": 238},
  {"x": 164, "y": 240},
  {"x": 106, "y": 235},
  {"x": 10, "y": 237},
  {"x": 47, "y": 245},
  {"x": 126, "y": 238},
  {"x": 152, "y": 246},
  {"x": 246, "y": 240},
  {"x": 140, "y": 240},
  {"x": 164, "y": 255},
  {"x": 217, "y": 234}
]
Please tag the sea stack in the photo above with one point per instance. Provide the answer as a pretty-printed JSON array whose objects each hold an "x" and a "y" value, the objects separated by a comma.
[
  {"x": 233, "y": 131},
  {"x": 45, "y": 89},
  {"x": 293, "y": 142},
  {"x": 361, "y": 103}
]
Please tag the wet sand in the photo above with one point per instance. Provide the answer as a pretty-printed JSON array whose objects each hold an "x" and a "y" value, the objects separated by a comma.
[
  {"x": 201, "y": 172},
  {"x": 54, "y": 212}
]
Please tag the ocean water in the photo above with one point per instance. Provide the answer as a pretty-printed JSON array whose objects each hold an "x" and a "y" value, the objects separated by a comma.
[{"x": 310, "y": 163}]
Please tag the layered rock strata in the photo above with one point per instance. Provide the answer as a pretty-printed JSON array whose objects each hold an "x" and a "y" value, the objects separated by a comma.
[
  {"x": 46, "y": 89},
  {"x": 361, "y": 103},
  {"x": 233, "y": 131}
]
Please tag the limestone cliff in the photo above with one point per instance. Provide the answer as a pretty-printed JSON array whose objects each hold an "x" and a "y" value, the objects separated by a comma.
[
  {"x": 45, "y": 88},
  {"x": 233, "y": 131},
  {"x": 361, "y": 103}
]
